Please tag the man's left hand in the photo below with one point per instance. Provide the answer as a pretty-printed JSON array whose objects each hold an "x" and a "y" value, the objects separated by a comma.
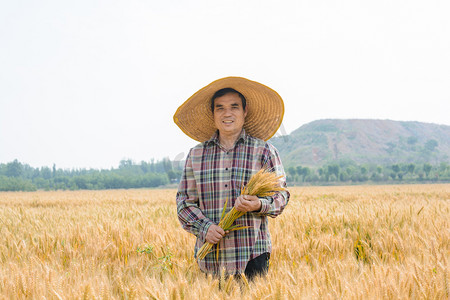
[{"x": 247, "y": 203}]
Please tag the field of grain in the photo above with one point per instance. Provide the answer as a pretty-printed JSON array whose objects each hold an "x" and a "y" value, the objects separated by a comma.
[{"x": 361, "y": 242}]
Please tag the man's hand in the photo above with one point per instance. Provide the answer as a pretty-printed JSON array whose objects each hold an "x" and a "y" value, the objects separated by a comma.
[
  {"x": 247, "y": 203},
  {"x": 215, "y": 234}
]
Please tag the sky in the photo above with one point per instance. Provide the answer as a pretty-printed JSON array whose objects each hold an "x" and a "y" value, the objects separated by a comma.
[{"x": 87, "y": 83}]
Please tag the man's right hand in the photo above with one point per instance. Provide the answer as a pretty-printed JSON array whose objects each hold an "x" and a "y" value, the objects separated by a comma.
[{"x": 214, "y": 234}]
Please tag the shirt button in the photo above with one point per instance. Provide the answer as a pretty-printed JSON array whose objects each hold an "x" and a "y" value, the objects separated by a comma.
[
  {"x": 226, "y": 185},
  {"x": 226, "y": 169}
]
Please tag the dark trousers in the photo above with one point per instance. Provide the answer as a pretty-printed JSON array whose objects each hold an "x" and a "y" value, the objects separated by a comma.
[{"x": 258, "y": 266}]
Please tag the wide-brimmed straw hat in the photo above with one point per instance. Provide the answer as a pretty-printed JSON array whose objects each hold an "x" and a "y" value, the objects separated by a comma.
[{"x": 264, "y": 116}]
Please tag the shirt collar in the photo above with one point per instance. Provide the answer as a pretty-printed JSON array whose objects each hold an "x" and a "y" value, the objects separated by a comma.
[{"x": 215, "y": 138}]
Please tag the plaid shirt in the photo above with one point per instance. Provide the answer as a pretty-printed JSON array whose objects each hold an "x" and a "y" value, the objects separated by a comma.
[{"x": 212, "y": 175}]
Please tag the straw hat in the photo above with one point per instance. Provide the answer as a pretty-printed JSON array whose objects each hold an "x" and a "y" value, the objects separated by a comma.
[{"x": 265, "y": 109}]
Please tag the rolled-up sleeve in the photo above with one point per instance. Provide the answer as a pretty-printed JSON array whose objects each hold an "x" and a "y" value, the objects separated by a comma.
[{"x": 189, "y": 213}]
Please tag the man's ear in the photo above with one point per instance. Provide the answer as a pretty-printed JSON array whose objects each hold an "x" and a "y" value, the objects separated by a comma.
[{"x": 245, "y": 111}]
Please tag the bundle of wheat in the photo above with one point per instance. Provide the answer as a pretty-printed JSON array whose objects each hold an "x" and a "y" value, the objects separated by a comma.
[{"x": 262, "y": 184}]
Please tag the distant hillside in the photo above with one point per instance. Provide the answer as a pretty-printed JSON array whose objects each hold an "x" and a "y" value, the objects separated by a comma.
[{"x": 365, "y": 141}]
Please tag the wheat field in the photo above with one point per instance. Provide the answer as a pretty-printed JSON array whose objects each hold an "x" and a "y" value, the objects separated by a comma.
[{"x": 359, "y": 242}]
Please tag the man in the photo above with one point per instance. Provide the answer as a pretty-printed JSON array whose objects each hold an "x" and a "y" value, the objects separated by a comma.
[{"x": 232, "y": 118}]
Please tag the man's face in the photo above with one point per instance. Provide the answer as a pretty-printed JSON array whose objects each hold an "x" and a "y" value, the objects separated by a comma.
[{"x": 229, "y": 115}]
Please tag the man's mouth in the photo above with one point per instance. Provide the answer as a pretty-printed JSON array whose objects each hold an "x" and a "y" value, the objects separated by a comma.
[{"x": 227, "y": 121}]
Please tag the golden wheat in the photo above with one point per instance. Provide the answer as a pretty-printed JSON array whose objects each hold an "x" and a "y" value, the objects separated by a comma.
[
  {"x": 371, "y": 242},
  {"x": 263, "y": 183}
]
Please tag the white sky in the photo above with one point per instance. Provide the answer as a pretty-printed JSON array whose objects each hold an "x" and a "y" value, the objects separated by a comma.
[{"x": 84, "y": 84}]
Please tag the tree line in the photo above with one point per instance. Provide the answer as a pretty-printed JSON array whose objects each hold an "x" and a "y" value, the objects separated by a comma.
[
  {"x": 16, "y": 176},
  {"x": 350, "y": 172}
]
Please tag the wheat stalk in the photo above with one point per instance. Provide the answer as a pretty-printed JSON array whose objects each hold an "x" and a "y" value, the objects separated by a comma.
[{"x": 262, "y": 184}]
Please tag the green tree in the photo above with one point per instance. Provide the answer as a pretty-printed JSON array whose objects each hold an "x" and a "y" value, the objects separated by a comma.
[
  {"x": 443, "y": 167},
  {"x": 410, "y": 168},
  {"x": 299, "y": 170},
  {"x": 306, "y": 172},
  {"x": 396, "y": 168},
  {"x": 363, "y": 170},
  {"x": 430, "y": 145},
  {"x": 333, "y": 169},
  {"x": 379, "y": 169},
  {"x": 46, "y": 173},
  {"x": 395, "y": 171},
  {"x": 125, "y": 163},
  {"x": 412, "y": 140},
  {"x": 14, "y": 169},
  {"x": 291, "y": 171},
  {"x": 320, "y": 171},
  {"x": 427, "y": 168},
  {"x": 172, "y": 175}
]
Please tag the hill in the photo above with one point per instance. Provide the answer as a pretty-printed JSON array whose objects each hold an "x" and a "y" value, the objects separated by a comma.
[{"x": 365, "y": 141}]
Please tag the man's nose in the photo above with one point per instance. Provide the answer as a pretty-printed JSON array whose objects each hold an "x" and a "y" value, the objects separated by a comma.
[{"x": 227, "y": 112}]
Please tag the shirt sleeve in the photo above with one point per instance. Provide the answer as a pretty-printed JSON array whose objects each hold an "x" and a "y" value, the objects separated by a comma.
[
  {"x": 189, "y": 213},
  {"x": 274, "y": 205}
]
